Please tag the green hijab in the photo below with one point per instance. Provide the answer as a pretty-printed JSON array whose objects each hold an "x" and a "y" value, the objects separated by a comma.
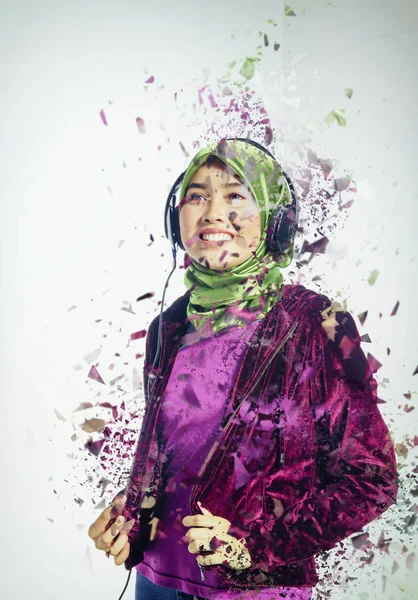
[{"x": 247, "y": 291}]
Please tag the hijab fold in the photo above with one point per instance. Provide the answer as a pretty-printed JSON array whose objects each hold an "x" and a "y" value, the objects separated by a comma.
[{"x": 238, "y": 295}]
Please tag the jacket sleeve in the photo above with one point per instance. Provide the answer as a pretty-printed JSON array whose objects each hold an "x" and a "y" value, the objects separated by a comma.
[
  {"x": 355, "y": 478},
  {"x": 146, "y": 371},
  {"x": 150, "y": 353},
  {"x": 151, "y": 349}
]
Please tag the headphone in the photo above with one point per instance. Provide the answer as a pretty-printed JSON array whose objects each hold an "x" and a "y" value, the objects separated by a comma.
[
  {"x": 281, "y": 228},
  {"x": 281, "y": 231}
]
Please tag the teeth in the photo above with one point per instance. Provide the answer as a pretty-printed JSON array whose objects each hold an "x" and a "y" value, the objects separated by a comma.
[{"x": 216, "y": 237}]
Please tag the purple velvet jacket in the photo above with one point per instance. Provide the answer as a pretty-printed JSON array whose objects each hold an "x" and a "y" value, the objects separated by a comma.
[{"x": 306, "y": 431}]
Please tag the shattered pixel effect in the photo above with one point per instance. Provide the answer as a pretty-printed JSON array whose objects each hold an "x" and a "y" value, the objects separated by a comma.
[{"x": 108, "y": 437}]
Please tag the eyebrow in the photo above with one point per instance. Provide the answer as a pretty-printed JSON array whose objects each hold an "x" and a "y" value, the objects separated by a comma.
[{"x": 202, "y": 186}]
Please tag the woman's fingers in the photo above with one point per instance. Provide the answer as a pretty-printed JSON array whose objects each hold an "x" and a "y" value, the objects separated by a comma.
[
  {"x": 123, "y": 555},
  {"x": 104, "y": 536},
  {"x": 200, "y": 545},
  {"x": 200, "y": 540},
  {"x": 119, "y": 544},
  {"x": 110, "y": 512},
  {"x": 102, "y": 541},
  {"x": 203, "y": 533}
]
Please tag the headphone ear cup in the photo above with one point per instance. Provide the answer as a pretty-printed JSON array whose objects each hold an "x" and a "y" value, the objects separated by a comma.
[
  {"x": 171, "y": 218},
  {"x": 283, "y": 223},
  {"x": 175, "y": 228},
  {"x": 282, "y": 228},
  {"x": 273, "y": 241}
]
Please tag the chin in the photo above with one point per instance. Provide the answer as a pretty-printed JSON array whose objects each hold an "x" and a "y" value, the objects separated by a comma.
[
  {"x": 215, "y": 265},
  {"x": 220, "y": 267}
]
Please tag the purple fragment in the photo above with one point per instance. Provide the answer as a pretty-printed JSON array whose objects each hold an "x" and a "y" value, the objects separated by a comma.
[
  {"x": 138, "y": 334},
  {"x": 395, "y": 309},
  {"x": 94, "y": 374},
  {"x": 103, "y": 116},
  {"x": 140, "y": 124},
  {"x": 241, "y": 474},
  {"x": 94, "y": 447}
]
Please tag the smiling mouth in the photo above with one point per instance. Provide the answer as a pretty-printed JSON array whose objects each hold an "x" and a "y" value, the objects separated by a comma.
[
  {"x": 216, "y": 237},
  {"x": 215, "y": 240}
]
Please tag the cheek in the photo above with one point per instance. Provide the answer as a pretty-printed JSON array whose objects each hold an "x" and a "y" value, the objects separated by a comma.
[
  {"x": 249, "y": 232},
  {"x": 254, "y": 231},
  {"x": 185, "y": 218},
  {"x": 252, "y": 225}
]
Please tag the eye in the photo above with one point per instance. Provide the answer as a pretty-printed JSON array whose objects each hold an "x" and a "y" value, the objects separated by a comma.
[{"x": 196, "y": 197}]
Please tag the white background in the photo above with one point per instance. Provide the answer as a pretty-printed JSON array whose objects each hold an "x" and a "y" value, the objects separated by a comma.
[{"x": 68, "y": 202}]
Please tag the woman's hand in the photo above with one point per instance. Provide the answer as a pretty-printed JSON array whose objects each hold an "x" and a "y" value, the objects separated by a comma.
[
  {"x": 104, "y": 538},
  {"x": 209, "y": 533}
]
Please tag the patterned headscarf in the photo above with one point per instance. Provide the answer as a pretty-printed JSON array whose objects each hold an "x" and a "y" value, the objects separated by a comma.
[{"x": 238, "y": 295}]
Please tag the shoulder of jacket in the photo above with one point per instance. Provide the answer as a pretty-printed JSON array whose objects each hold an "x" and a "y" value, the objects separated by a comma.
[
  {"x": 301, "y": 301},
  {"x": 342, "y": 336},
  {"x": 344, "y": 345},
  {"x": 174, "y": 313}
]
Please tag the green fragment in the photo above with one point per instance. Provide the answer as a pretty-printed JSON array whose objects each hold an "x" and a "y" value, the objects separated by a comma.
[
  {"x": 226, "y": 91},
  {"x": 272, "y": 22},
  {"x": 330, "y": 118},
  {"x": 373, "y": 276},
  {"x": 248, "y": 68},
  {"x": 260, "y": 33},
  {"x": 336, "y": 115},
  {"x": 348, "y": 92},
  {"x": 288, "y": 12},
  {"x": 233, "y": 35},
  {"x": 401, "y": 450},
  {"x": 232, "y": 64}
]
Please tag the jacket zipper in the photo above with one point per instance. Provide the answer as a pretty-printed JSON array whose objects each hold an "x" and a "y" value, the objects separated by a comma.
[{"x": 216, "y": 444}]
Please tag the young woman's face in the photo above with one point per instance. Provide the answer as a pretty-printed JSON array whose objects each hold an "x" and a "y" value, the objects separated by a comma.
[{"x": 219, "y": 219}]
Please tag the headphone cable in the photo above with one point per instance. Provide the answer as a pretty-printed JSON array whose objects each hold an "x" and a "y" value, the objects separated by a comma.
[
  {"x": 126, "y": 584},
  {"x": 153, "y": 365},
  {"x": 160, "y": 322}
]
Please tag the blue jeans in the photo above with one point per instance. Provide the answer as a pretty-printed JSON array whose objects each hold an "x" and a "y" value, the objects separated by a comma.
[{"x": 146, "y": 590}]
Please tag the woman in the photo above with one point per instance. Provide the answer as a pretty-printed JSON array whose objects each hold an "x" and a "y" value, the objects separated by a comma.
[{"x": 262, "y": 443}]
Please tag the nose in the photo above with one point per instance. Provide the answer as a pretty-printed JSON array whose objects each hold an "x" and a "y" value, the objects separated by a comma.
[{"x": 216, "y": 209}]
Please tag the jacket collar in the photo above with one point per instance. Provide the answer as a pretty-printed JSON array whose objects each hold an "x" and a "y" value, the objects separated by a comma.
[
  {"x": 296, "y": 300},
  {"x": 296, "y": 303}
]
